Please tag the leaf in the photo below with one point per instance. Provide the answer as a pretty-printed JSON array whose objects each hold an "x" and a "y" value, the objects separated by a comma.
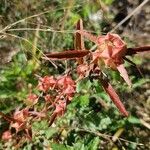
[
  {"x": 134, "y": 120},
  {"x": 79, "y": 146},
  {"x": 140, "y": 82},
  {"x": 40, "y": 125},
  {"x": 84, "y": 100},
  {"x": 124, "y": 74},
  {"x": 73, "y": 18},
  {"x": 94, "y": 144},
  {"x": 70, "y": 54},
  {"x": 50, "y": 132},
  {"x": 58, "y": 147},
  {"x": 104, "y": 123},
  {"x": 83, "y": 86},
  {"x": 114, "y": 97}
]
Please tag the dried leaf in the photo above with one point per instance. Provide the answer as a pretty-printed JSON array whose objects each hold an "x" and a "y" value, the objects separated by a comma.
[
  {"x": 83, "y": 70},
  {"x": 114, "y": 96},
  {"x": 124, "y": 74}
]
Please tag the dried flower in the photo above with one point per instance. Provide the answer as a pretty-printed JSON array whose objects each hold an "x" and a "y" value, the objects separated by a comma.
[
  {"x": 46, "y": 83},
  {"x": 60, "y": 107},
  {"x": 21, "y": 117},
  {"x": 32, "y": 99},
  {"x": 6, "y": 135}
]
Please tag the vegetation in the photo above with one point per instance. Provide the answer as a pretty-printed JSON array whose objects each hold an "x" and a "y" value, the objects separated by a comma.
[{"x": 62, "y": 76}]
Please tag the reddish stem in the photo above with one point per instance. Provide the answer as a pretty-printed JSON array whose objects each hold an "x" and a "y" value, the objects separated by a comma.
[
  {"x": 79, "y": 41},
  {"x": 7, "y": 118},
  {"x": 135, "y": 50},
  {"x": 68, "y": 54}
]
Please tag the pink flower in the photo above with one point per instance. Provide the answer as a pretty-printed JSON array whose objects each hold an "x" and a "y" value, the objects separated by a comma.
[
  {"x": 60, "y": 107},
  {"x": 66, "y": 85},
  {"x": 21, "y": 115},
  {"x": 83, "y": 70},
  {"x": 65, "y": 81},
  {"x": 111, "y": 50},
  {"x": 32, "y": 99},
  {"x": 48, "y": 98},
  {"x": 46, "y": 83},
  {"x": 21, "y": 118},
  {"x": 6, "y": 135}
]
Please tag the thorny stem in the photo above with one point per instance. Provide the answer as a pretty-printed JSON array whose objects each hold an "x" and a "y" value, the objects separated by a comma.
[
  {"x": 135, "y": 50},
  {"x": 7, "y": 118}
]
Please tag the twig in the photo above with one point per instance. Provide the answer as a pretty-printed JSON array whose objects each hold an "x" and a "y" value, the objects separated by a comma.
[
  {"x": 33, "y": 16},
  {"x": 131, "y": 14},
  {"x": 42, "y": 29},
  {"x": 145, "y": 124},
  {"x": 105, "y": 136},
  {"x": 6, "y": 117},
  {"x": 135, "y": 50},
  {"x": 24, "y": 39}
]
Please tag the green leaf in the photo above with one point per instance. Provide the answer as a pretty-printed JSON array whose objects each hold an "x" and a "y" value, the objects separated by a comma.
[
  {"x": 108, "y": 2},
  {"x": 94, "y": 144},
  {"x": 50, "y": 132},
  {"x": 41, "y": 125},
  {"x": 139, "y": 83},
  {"x": 58, "y": 147},
  {"x": 104, "y": 123},
  {"x": 84, "y": 100},
  {"x": 83, "y": 86},
  {"x": 73, "y": 18},
  {"x": 134, "y": 120},
  {"x": 79, "y": 145}
]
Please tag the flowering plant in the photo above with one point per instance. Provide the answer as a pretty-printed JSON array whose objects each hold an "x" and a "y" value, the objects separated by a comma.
[{"x": 58, "y": 91}]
